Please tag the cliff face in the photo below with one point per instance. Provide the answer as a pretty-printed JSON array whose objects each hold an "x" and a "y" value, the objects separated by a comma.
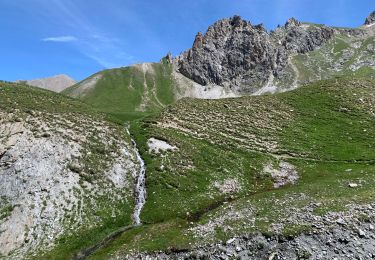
[
  {"x": 370, "y": 19},
  {"x": 236, "y": 54}
]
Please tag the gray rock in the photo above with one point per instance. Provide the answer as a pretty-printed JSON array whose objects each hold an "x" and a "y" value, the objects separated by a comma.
[
  {"x": 361, "y": 233},
  {"x": 370, "y": 19},
  {"x": 234, "y": 53},
  {"x": 340, "y": 221}
]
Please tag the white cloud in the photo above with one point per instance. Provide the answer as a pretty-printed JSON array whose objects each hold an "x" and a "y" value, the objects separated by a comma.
[
  {"x": 96, "y": 44},
  {"x": 93, "y": 43},
  {"x": 60, "y": 39}
]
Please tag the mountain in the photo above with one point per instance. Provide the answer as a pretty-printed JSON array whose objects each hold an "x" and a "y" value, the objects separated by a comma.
[
  {"x": 235, "y": 54},
  {"x": 66, "y": 174},
  {"x": 187, "y": 159},
  {"x": 56, "y": 83},
  {"x": 139, "y": 90},
  {"x": 235, "y": 58},
  {"x": 247, "y": 59}
]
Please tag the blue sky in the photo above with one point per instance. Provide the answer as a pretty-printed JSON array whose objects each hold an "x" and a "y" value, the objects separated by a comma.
[{"x": 80, "y": 37}]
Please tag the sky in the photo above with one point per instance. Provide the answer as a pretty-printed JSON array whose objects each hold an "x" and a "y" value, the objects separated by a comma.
[{"x": 42, "y": 38}]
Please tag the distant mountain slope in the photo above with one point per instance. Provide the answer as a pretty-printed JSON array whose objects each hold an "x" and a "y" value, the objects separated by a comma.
[
  {"x": 66, "y": 174},
  {"x": 266, "y": 175},
  {"x": 234, "y": 58},
  {"x": 131, "y": 91},
  {"x": 56, "y": 83}
]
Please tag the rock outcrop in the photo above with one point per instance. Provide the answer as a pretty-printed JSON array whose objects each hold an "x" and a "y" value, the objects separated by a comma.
[
  {"x": 234, "y": 53},
  {"x": 370, "y": 19}
]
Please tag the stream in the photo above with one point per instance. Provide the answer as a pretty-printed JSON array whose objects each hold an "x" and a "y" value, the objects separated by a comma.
[
  {"x": 140, "y": 186},
  {"x": 140, "y": 200}
]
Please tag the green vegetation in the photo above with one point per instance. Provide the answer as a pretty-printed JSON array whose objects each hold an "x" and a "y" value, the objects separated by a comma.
[
  {"x": 6, "y": 211},
  {"x": 340, "y": 129},
  {"x": 25, "y": 98},
  {"x": 163, "y": 236},
  {"x": 325, "y": 129},
  {"x": 69, "y": 245},
  {"x": 131, "y": 92}
]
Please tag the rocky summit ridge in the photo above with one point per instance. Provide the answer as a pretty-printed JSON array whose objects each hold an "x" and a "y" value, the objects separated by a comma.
[
  {"x": 236, "y": 54},
  {"x": 370, "y": 19}
]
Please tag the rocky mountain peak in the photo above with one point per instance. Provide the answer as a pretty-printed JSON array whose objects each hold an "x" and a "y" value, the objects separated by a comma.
[
  {"x": 236, "y": 54},
  {"x": 370, "y": 19},
  {"x": 292, "y": 22},
  {"x": 228, "y": 49},
  {"x": 237, "y": 21}
]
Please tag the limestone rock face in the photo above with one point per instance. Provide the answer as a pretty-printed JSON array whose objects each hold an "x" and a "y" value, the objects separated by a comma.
[
  {"x": 299, "y": 38},
  {"x": 231, "y": 52},
  {"x": 234, "y": 53},
  {"x": 46, "y": 188}
]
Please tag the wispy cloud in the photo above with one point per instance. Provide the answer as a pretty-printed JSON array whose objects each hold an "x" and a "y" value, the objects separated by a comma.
[
  {"x": 60, "y": 39},
  {"x": 95, "y": 44},
  {"x": 93, "y": 39}
]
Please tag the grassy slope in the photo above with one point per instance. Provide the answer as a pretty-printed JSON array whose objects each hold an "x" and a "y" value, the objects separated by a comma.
[
  {"x": 325, "y": 129},
  {"x": 129, "y": 93},
  {"x": 17, "y": 96},
  {"x": 20, "y": 100}
]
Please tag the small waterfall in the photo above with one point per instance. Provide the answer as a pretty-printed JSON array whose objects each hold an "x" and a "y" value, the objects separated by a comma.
[{"x": 140, "y": 186}]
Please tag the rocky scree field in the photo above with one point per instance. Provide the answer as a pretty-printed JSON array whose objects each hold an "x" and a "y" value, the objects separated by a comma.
[
  {"x": 66, "y": 174},
  {"x": 287, "y": 175}
]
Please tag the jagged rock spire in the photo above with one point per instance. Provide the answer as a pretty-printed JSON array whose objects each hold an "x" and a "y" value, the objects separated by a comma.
[
  {"x": 168, "y": 58},
  {"x": 236, "y": 21},
  {"x": 292, "y": 22},
  {"x": 198, "y": 42}
]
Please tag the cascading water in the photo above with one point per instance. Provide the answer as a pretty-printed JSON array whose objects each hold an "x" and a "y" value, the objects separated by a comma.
[{"x": 140, "y": 186}]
